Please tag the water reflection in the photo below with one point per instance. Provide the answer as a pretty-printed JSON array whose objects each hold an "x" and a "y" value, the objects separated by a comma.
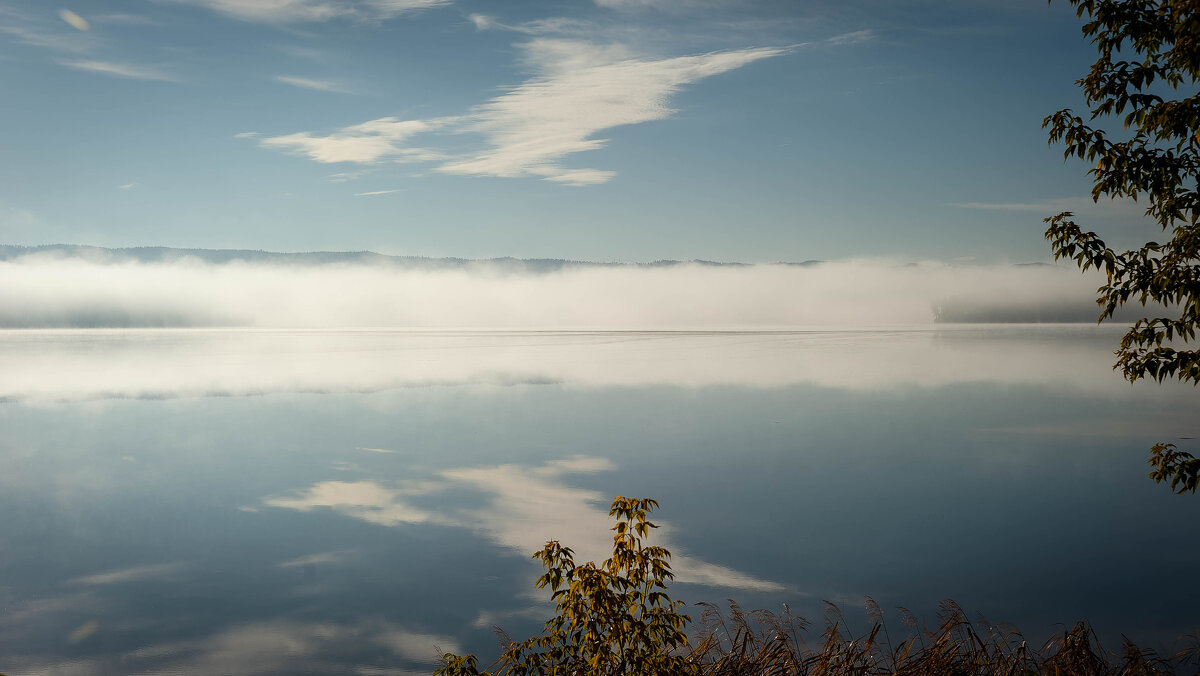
[
  {"x": 83, "y": 365},
  {"x": 357, "y": 514},
  {"x": 523, "y": 508},
  {"x": 131, "y": 574},
  {"x": 256, "y": 648}
]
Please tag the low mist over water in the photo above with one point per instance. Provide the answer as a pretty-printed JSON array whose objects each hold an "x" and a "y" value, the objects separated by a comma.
[
  {"x": 94, "y": 288},
  {"x": 254, "y": 463}
]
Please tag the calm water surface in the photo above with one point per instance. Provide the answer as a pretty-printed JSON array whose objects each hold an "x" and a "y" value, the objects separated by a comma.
[{"x": 254, "y": 502}]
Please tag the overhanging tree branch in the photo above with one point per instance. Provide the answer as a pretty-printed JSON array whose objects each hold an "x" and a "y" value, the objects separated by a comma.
[{"x": 1143, "y": 44}]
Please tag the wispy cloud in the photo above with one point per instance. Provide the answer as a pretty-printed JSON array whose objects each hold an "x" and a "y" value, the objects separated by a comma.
[
  {"x": 1079, "y": 205},
  {"x": 124, "y": 19},
  {"x": 580, "y": 90},
  {"x": 375, "y": 450},
  {"x": 364, "y": 143},
  {"x": 35, "y": 35},
  {"x": 583, "y": 90},
  {"x": 482, "y": 21},
  {"x": 127, "y": 186},
  {"x": 627, "y": 4},
  {"x": 302, "y": 11},
  {"x": 123, "y": 70},
  {"x": 74, "y": 19},
  {"x": 391, "y": 8},
  {"x": 308, "y": 83},
  {"x": 344, "y": 176},
  {"x": 852, "y": 38},
  {"x": 561, "y": 26},
  {"x": 655, "y": 4},
  {"x": 374, "y": 192},
  {"x": 1007, "y": 206}
]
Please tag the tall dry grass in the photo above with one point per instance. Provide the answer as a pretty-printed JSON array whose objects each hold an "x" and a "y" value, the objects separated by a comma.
[{"x": 762, "y": 643}]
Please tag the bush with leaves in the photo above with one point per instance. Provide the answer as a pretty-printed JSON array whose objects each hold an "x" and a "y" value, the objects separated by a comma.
[
  {"x": 612, "y": 618},
  {"x": 1149, "y": 50},
  {"x": 616, "y": 619}
]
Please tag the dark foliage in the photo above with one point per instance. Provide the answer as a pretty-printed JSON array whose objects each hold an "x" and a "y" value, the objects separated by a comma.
[
  {"x": 1145, "y": 78},
  {"x": 617, "y": 619}
]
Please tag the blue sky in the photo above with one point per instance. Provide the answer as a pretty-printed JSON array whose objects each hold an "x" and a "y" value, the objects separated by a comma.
[{"x": 623, "y": 130}]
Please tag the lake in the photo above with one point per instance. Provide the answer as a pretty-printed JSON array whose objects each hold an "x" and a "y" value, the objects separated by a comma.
[{"x": 353, "y": 501}]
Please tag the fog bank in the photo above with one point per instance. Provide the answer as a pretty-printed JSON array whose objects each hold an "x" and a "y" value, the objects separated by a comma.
[{"x": 47, "y": 291}]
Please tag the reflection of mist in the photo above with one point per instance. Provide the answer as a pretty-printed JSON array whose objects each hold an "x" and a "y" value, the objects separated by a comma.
[
  {"x": 82, "y": 365},
  {"x": 42, "y": 292},
  {"x": 526, "y": 507}
]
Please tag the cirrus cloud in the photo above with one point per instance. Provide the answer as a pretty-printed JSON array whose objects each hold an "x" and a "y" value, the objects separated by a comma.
[
  {"x": 364, "y": 143},
  {"x": 310, "y": 83},
  {"x": 299, "y": 11},
  {"x": 579, "y": 91},
  {"x": 123, "y": 70}
]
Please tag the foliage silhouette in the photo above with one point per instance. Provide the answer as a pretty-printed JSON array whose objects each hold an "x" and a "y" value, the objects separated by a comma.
[
  {"x": 1148, "y": 50},
  {"x": 616, "y": 619},
  {"x": 762, "y": 643}
]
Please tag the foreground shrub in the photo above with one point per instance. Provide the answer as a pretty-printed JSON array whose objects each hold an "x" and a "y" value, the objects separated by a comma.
[{"x": 617, "y": 619}]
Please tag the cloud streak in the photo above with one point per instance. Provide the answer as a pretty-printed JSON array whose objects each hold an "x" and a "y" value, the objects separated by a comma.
[
  {"x": 33, "y": 31},
  {"x": 122, "y": 70},
  {"x": 1084, "y": 206},
  {"x": 582, "y": 90},
  {"x": 310, "y": 11},
  {"x": 76, "y": 21},
  {"x": 579, "y": 91},
  {"x": 309, "y": 83},
  {"x": 364, "y": 143}
]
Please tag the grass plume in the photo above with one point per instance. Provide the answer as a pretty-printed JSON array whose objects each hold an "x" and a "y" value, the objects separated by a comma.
[
  {"x": 616, "y": 618},
  {"x": 762, "y": 643}
]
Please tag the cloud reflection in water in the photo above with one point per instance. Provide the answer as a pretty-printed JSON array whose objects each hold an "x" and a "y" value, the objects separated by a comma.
[
  {"x": 525, "y": 507},
  {"x": 260, "y": 649}
]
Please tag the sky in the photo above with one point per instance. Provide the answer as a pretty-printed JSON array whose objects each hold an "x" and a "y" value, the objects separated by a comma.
[{"x": 600, "y": 130}]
